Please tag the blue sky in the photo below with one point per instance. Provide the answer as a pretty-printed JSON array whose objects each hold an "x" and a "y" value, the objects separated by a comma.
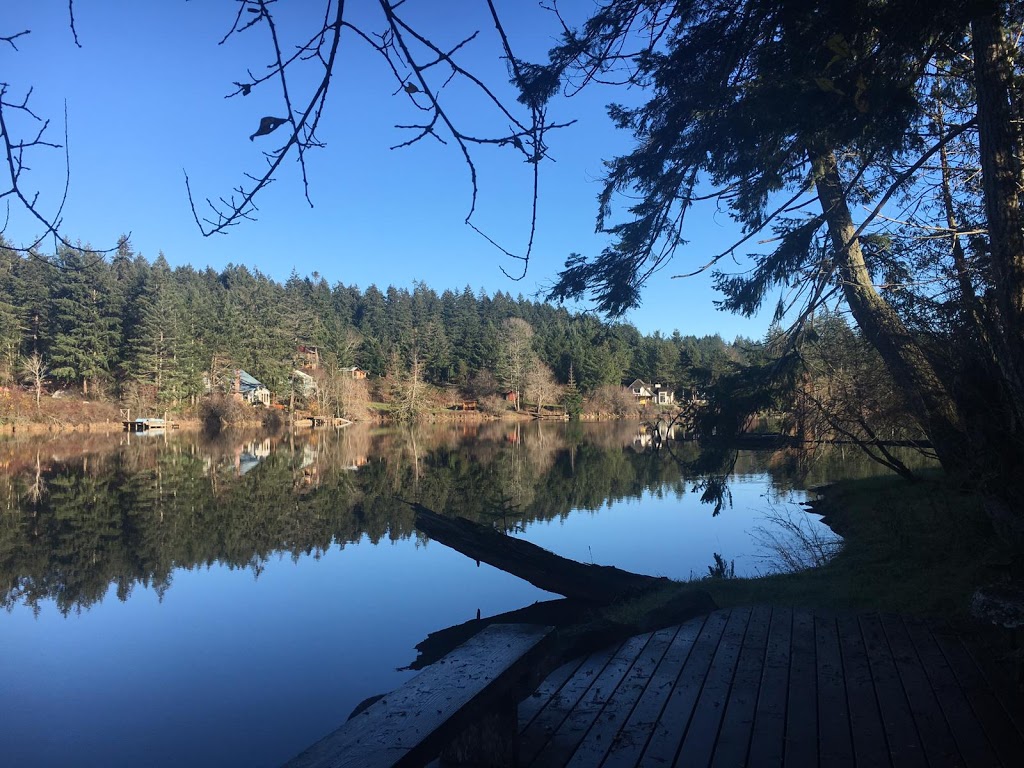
[{"x": 145, "y": 102}]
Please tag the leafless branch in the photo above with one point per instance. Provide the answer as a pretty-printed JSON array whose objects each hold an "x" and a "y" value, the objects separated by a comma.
[
  {"x": 71, "y": 22},
  {"x": 228, "y": 212},
  {"x": 23, "y": 132},
  {"x": 9, "y": 39},
  {"x": 422, "y": 69}
]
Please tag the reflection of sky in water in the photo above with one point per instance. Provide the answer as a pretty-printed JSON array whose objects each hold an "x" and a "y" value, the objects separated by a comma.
[
  {"x": 230, "y": 670},
  {"x": 675, "y": 537}
]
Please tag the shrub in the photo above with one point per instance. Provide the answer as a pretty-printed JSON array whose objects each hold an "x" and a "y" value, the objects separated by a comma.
[
  {"x": 493, "y": 405},
  {"x": 610, "y": 399},
  {"x": 219, "y": 411}
]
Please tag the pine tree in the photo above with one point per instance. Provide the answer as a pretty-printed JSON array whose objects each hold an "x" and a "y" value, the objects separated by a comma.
[
  {"x": 157, "y": 336},
  {"x": 10, "y": 331},
  {"x": 86, "y": 331},
  {"x": 572, "y": 399}
]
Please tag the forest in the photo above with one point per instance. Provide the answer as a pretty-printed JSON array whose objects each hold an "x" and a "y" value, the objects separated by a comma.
[{"x": 128, "y": 329}]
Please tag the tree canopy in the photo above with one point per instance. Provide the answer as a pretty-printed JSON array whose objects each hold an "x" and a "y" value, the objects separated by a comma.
[
  {"x": 876, "y": 145},
  {"x": 870, "y": 150}
]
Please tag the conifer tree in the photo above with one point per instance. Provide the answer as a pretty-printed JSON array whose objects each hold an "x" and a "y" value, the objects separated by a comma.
[{"x": 86, "y": 331}]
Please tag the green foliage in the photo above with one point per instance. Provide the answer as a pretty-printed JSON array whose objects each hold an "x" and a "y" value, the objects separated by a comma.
[
  {"x": 86, "y": 327},
  {"x": 878, "y": 142},
  {"x": 740, "y": 95},
  {"x": 572, "y": 398},
  {"x": 154, "y": 333}
]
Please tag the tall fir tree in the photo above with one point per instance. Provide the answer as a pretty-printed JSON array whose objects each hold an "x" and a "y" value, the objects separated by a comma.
[{"x": 86, "y": 330}]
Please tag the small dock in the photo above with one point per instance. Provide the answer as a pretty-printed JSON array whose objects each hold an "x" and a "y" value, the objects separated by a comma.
[
  {"x": 550, "y": 416},
  {"x": 771, "y": 686},
  {"x": 146, "y": 425}
]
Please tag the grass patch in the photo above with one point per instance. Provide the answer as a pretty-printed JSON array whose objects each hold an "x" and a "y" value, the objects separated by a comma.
[{"x": 918, "y": 548}]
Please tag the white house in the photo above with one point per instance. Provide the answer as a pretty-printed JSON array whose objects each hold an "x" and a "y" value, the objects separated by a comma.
[
  {"x": 305, "y": 383},
  {"x": 644, "y": 394},
  {"x": 251, "y": 389},
  {"x": 641, "y": 391}
]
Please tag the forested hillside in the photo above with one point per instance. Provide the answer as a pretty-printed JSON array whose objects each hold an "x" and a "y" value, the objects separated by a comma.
[{"x": 109, "y": 327}]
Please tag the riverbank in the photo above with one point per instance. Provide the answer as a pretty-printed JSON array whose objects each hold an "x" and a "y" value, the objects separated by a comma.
[{"x": 919, "y": 548}]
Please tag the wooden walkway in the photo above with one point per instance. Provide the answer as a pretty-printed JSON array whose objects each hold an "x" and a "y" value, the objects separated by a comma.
[{"x": 772, "y": 687}]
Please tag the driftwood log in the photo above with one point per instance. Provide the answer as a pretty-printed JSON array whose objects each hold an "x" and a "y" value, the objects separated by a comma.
[
  {"x": 600, "y": 584},
  {"x": 602, "y": 604}
]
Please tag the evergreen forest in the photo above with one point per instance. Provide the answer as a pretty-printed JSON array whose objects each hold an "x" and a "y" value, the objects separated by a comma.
[{"x": 119, "y": 326}]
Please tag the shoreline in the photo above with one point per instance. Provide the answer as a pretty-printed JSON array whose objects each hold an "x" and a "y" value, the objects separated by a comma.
[{"x": 28, "y": 427}]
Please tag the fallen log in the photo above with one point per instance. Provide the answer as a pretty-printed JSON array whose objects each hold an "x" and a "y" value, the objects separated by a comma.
[{"x": 600, "y": 584}]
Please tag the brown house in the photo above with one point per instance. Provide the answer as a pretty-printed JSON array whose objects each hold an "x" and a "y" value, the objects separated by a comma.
[
  {"x": 308, "y": 356},
  {"x": 355, "y": 371}
]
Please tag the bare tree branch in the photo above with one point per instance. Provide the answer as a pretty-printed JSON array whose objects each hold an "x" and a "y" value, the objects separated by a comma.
[{"x": 422, "y": 69}]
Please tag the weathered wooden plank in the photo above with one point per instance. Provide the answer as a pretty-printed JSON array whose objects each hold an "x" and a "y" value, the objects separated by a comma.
[
  {"x": 767, "y": 741},
  {"x": 671, "y": 727},
  {"x": 1004, "y": 681},
  {"x": 702, "y": 733},
  {"x": 574, "y": 728},
  {"x": 600, "y": 737},
  {"x": 936, "y": 739},
  {"x": 631, "y": 740},
  {"x": 866, "y": 729},
  {"x": 411, "y": 724},
  {"x": 550, "y": 613},
  {"x": 900, "y": 731},
  {"x": 1002, "y": 734},
  {"x": 970, "y": 737},
  {"x": 835, "y": 746},
  {"x": 802, "y": 709},
  {"x": 537, "y": 734},
  {"x": 534, "y": 703},
  {"x": 738, "y": 720}
]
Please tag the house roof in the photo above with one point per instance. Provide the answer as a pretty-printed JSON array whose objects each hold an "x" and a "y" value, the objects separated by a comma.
[
  {"x": 247, "y": 382},
  {"x": 641, "y": 385}
]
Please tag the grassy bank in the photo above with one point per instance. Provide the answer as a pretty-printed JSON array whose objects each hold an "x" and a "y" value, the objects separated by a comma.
[{"x": 919, "y": 548}]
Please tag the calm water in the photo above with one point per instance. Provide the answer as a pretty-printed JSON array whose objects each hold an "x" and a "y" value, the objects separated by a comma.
[{"x": 171, "y": 600}]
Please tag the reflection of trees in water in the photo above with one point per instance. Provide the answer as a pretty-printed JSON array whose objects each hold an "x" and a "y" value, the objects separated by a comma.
[{"x": 79, "y": 517}]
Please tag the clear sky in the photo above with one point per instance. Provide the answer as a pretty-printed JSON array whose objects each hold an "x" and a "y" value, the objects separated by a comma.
[{"x": 145, "y": 102}]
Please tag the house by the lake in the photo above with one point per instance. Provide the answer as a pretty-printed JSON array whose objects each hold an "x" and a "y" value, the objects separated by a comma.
[
  {"x": 658, "y": 394},
  {"x": 639, "y": 389},
  {"x": 304, "y": 383},
  {"x": 251, "y": 389}
]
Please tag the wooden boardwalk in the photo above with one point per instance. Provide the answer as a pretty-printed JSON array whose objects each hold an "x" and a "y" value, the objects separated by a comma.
[{"x": 772, "y": 687}]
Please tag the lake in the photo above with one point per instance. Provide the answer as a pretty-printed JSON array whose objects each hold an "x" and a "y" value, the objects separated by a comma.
[{"x": 171, "y": 599}]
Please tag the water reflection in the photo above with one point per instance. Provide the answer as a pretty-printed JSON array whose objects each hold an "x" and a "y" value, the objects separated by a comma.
[
  {"x": 275, "y": 580},
  {"x": 84, "y": 513}
]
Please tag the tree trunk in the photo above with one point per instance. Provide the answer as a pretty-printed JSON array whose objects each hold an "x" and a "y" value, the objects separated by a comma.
[
  {"x": 593, "y": 583},
  {"x": 929, "y": 400},
  {"x": 1000, "y": 112}
]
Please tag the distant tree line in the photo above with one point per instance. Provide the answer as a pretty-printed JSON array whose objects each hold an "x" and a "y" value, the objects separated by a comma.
[{"x": 122, "y": 326}]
